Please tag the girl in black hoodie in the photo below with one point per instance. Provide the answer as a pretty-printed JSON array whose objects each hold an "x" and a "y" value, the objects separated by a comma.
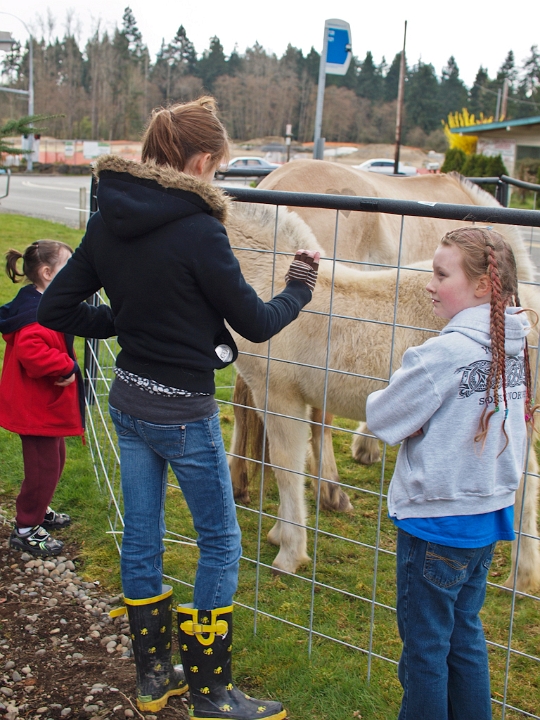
[{"x": 159, "y": 249}]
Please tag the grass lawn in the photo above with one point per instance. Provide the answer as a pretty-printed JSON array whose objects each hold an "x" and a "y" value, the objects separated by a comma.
[{"x": 331, "y": 681}]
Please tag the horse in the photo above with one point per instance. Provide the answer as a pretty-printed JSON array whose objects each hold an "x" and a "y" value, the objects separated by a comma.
[
  {"x": 333, "y": 359},
  {"x": 373, "y": 238}
]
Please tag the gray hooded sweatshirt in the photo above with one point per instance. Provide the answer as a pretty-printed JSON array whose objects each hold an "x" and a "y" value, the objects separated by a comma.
[{"x": 441, "y": 389}]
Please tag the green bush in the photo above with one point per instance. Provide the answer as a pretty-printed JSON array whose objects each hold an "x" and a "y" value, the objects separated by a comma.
[
  {"x": 483, "y": 166},
  {"x": 454, "y": 159}
]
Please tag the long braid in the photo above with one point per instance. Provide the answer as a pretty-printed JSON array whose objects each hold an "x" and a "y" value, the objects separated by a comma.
[{"x": 497, "y": 372}]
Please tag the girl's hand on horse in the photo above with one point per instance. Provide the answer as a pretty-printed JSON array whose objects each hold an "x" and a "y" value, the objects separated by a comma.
[{"x": 304, "y": 267}]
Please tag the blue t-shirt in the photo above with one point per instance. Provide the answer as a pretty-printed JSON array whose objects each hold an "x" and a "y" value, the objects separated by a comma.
[{"x": 463, "y": 531}]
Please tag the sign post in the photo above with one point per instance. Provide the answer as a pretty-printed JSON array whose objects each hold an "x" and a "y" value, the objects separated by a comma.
[{"x": 335, "y": 60}]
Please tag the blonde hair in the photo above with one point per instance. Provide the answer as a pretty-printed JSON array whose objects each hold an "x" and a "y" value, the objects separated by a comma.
[
  {"x": 484, "y": 251},
  {"x": 174, "y": 134}
]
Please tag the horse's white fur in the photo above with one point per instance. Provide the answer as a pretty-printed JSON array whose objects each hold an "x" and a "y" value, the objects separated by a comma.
[{"x": 361, "y": 348}]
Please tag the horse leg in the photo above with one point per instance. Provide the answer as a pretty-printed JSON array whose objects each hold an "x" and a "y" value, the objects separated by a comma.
[
  {"x": 528, "y": 567},
  {"x": 365, "y": 450},
  {"x": 288, "y": 441},
  {"x": 332, "y": 497}
]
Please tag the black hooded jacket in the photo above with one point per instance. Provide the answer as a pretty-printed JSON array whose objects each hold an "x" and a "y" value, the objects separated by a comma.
[{"x": 160, "y": 250}]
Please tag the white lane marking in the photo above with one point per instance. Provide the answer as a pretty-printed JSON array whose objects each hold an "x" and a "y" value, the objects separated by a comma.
[
  {"x": 77, "y": 210},
  {"x": 63, "y": 188}
]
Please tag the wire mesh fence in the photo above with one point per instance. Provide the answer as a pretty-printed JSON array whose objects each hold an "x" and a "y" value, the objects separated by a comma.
[{"x": 337, "y": 583}]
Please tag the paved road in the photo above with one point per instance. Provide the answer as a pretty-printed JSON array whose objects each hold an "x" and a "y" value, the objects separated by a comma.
[
  {"x": 47, "y": 197},
  {"x": 57, "y": 198}
]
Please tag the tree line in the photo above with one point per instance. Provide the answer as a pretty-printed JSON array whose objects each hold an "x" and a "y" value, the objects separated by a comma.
[{"x": 106, "y": 89}]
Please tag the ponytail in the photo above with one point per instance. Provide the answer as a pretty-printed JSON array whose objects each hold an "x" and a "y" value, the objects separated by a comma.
[
  {"x": 12, "y": 257},
  {"x": 175, "y": 133}
]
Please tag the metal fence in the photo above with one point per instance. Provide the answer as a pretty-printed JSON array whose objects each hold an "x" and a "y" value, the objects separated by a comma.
[{"x": 346, "y": 596}]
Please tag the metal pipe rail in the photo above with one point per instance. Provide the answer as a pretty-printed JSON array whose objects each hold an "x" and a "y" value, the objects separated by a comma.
[
  {"x": 520, "y": 183},
  {"x": 447, "y": 211}
]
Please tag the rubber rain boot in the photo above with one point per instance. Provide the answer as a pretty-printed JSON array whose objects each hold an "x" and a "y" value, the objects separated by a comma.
[
  {"x": 205, "y": 639},
  {"x": 150, "y": 621}
]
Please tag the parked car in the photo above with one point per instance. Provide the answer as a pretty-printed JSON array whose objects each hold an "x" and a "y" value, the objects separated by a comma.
[
  {"x": 385, "y": 166},
  {"x": 249, "y": 165}
]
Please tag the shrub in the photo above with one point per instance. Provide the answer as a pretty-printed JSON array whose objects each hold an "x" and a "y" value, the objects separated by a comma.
[{"x": 454, "y": 159}]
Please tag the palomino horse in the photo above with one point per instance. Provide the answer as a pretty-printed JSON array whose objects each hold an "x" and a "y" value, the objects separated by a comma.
[
  {"x": 374, "y": 238},
  {"x": 357, "y": 354}
]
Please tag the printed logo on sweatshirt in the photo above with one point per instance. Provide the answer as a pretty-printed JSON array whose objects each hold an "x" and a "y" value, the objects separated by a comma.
[{"x": 474, "y": 377}]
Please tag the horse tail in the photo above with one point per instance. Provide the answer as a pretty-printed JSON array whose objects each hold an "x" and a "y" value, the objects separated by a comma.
[{"x": 248, "y": 438}]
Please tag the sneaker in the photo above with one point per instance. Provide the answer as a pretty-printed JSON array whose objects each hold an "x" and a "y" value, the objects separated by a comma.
[
  {"x": 54, "y": 520},
  {"x": 36, "y": 541}
]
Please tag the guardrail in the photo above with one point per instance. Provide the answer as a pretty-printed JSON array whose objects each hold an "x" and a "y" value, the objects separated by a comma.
[{"x": 7, "y": 173}]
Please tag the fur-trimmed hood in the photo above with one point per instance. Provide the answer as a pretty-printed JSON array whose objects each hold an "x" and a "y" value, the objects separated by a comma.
[{"x": 135, "y": 198}]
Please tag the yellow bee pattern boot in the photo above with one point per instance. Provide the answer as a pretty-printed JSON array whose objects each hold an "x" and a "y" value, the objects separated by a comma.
[
  {"x": 205, "y": 638},
  {"x": 150, "y": 621}
]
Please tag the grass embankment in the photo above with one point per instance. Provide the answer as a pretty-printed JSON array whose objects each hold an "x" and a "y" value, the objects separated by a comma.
[{"x": 331, "y": 684}]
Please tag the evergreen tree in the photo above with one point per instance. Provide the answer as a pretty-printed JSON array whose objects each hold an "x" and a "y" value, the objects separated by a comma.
[
  {"x": 312, "y": 62},
  {"x": 422, "y": 98},
  {"x": 391, "y": 80},
  {"x": 370, "y": 82},
  {"x": 212, "y": 64},
  {"x": 452, "y": 93},
  {"x": 528, "y": 92},
  {"x": 508, "y": 71},
  {"x": 481, "y": 100},
  {"x": 292, "y": 59},
  {"x": 172, "y": 61},
  {"x": 132, "y": 34},
  {"x": 234, "y": 63}
]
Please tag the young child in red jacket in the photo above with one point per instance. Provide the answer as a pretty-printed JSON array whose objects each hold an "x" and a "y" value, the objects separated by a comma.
[{"x": 41, "y": 396}]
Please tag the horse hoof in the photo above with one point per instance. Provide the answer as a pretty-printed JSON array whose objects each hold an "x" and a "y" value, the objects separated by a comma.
[
  {"x": 288, "y": 568},
  {"x": 243, "y": 498},
  {"x": 338, "y": 502},
  {"x": 367, "y": 456},
  {"x": 365, "y": 451}
]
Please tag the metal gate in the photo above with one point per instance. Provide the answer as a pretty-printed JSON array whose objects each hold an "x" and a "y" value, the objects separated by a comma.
[{"x": 353, "y": 556}]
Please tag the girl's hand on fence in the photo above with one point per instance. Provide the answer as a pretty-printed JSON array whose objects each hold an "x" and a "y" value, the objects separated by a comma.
[
  {"x": 304, "y": 267},
  {"x": 64, "y": 382}
]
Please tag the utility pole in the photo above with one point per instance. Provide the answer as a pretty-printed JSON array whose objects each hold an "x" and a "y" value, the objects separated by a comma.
[
  {"x": 399, "y": 111},
  {"x": 504, "y": 102}
]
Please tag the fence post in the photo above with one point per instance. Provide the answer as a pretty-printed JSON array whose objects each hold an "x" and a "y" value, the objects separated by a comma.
[
  {"x": 91, "y": 345},
  {"x": 501, "y": 193},
  {"x": 82, "y": 208}
]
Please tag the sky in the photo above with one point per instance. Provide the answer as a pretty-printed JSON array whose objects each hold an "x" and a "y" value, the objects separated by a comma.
[{"x": 475, "y": 33}]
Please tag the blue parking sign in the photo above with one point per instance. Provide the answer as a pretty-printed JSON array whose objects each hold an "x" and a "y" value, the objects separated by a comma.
[{"x": 339, "y": 49}]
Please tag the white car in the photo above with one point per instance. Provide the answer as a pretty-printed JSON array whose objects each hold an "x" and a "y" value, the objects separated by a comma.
[{"x": 385, "y": 166}]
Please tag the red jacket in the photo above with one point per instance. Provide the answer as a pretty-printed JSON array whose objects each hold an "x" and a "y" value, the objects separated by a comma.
[{"x": 30, "y": 402}]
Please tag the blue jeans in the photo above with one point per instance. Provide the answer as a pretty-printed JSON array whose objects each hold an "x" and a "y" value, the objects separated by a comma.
[
  {"x": 444, "y": 665},
  {"x": 197, "y": 457}
]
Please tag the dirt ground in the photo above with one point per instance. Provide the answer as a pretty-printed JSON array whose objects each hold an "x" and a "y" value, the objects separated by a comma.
[{"x": 53, "y": 659}]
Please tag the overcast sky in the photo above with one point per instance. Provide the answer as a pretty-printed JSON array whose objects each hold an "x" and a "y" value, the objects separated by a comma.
[{"x": 475, "y": 33}]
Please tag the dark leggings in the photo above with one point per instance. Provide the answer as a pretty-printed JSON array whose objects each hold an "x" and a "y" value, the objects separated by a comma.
[{"x": 44, "y": 459}]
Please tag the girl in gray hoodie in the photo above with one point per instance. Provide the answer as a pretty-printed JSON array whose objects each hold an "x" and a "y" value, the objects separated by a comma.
[{"x": 460, "y": 405}]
